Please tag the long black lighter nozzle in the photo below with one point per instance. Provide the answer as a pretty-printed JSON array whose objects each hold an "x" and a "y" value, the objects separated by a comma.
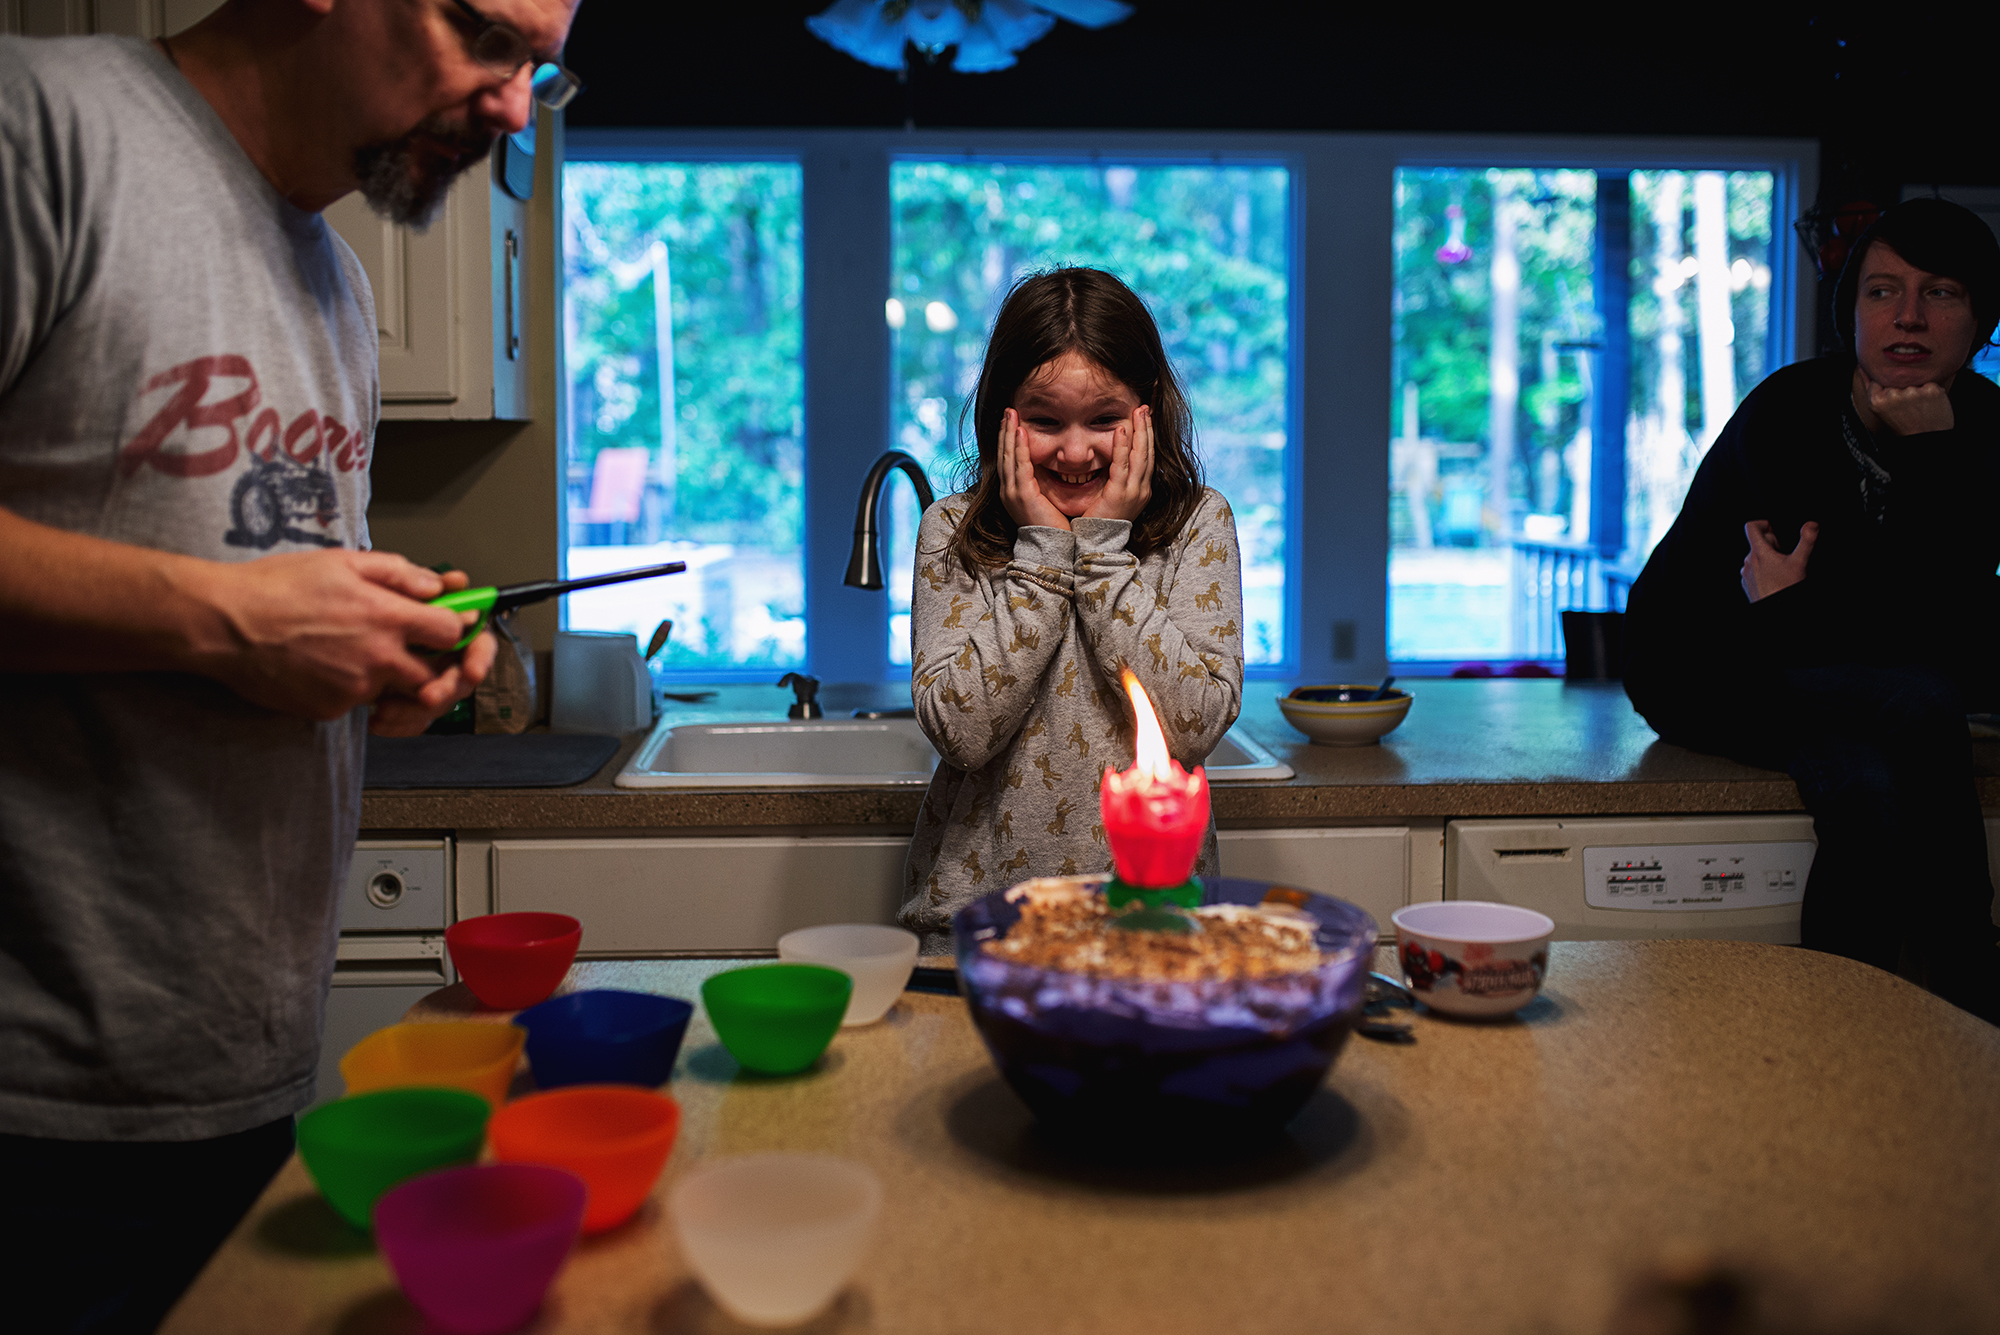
[
  {"x": 518, "y": 595},
  {"x": 864, "y": 564}
]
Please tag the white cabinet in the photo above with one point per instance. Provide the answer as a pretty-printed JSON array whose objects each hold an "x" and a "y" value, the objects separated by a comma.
[
  {"x": 1369, "y": 867},
  {"x": 639, "y": 897},
  {"x": 449, "y": 304}
]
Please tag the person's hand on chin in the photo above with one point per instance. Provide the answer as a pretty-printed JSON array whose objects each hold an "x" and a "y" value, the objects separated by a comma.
[{"x": 1909, "y": 410}]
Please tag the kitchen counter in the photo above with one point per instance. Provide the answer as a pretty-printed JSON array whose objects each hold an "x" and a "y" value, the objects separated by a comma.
[
  {"x": 1826, "y": 1127},
  {"x": 1485, "y": 748}
]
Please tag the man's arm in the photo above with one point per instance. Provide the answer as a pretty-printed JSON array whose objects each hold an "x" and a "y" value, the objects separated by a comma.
[{"x": 312, "y": 633}]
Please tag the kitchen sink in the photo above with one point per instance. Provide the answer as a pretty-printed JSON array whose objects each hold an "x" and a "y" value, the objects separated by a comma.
[{"x": 867, "y": 753}]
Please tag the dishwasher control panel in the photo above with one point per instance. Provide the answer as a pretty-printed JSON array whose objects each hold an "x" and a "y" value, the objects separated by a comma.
[
  {"x": 398, "y": 885},
  {"x": 1607, "y": 878},
  {"x": 1695, "y": 878}
]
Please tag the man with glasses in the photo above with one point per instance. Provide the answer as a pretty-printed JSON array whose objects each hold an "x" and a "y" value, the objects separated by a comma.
[{"x": 185, "y": 682}]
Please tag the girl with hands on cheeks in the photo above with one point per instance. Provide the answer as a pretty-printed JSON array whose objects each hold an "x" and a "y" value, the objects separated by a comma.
[
  {"x": 1077, "y": 446},
  {"x": 1083, "y": 543}
]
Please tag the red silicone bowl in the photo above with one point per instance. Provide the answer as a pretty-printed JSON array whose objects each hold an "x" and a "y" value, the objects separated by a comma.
[
  {"x": 476, "y": 1248},
  {"x": 514, "y": 960},
  {"x": 615, "y": 1137}
]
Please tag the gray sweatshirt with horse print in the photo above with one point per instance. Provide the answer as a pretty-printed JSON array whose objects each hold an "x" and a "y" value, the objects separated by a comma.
[{"x": 1015, "y": 677}]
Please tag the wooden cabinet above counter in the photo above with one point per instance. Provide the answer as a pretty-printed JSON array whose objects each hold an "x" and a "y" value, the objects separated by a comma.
[{"x": 449, "y": 304}]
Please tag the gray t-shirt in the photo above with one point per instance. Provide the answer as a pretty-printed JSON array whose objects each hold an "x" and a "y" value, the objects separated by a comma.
[{"x": 187, "y": 362}]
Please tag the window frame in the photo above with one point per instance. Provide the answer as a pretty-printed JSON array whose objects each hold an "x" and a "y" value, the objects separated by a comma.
[{"x": 1338, "y": 381}]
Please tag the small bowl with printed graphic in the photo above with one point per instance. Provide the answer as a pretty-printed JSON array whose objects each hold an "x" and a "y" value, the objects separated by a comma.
[
  {"x": 1344, "y": 715},
  {"x": 1470, "y": 957},
  {"x": 878, "y": 959}
]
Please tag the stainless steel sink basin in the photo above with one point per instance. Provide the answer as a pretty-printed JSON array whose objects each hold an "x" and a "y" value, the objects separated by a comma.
[{"x": 867, "y": 753}]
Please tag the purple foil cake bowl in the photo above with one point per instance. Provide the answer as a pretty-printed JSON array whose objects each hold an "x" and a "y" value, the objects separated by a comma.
[{"x": 1124, "y": 1058}]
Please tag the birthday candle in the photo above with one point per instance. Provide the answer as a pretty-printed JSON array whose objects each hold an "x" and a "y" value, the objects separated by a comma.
[{"x": 1155, "y": 813}]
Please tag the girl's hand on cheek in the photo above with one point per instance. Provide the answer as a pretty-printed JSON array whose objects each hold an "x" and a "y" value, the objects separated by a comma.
[
  {"x": 1128, "y": 483},
  {"x": 1019, "y": 491}
]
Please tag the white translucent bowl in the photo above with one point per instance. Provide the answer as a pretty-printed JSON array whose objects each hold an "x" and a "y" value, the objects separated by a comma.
[
  {"x": 774, "y": 1237},
  {"x": 878, "y": 959}
]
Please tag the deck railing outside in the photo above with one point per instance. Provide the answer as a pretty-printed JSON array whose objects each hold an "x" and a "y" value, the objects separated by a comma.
[{"x": 1552, "y": 577}]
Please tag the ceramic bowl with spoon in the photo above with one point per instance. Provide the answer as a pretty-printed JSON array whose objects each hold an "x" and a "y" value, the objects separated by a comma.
[{"x": 1345, "y": 714}]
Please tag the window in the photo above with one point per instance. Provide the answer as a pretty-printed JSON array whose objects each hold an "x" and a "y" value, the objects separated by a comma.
[
  {"x": 827, "y": 295},
  {"x": 683, "y": 333},
  {"x": 1507, "y": 417},
  {"x": 1206, "y": 247}
]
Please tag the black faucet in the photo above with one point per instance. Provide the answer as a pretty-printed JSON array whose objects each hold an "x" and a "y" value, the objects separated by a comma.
[
  {"x": 805, "y": 692},
  {"x": 864, "y": 567}
]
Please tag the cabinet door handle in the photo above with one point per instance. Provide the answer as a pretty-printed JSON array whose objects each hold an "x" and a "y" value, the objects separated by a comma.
[{"x": 513, "y": 331}]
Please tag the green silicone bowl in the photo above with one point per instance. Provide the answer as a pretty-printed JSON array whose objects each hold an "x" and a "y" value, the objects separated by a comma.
[
  {"x": 777, "y": 1018},
  {"x": 358, "y": 1147}
]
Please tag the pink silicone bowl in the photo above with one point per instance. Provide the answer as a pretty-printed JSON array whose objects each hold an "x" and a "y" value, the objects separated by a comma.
[
  {"x": 476, "y": 1248},
  {"x": 514, "y": 960}
]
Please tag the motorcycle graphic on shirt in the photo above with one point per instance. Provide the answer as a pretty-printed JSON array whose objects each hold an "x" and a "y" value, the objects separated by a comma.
[
  {"x": 211, "y": 415},
  {"x": 274, "y": 492}
]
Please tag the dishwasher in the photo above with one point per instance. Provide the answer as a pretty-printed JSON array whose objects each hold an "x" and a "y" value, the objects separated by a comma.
[
  {"x": 1735, "y": 878},
  {"x": 393, "y": 913}
]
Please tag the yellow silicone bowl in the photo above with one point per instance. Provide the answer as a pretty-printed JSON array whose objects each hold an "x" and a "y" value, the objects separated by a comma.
[
  {"x": 1342, "y": 715},
  {"x": 456, "y": 1054}
]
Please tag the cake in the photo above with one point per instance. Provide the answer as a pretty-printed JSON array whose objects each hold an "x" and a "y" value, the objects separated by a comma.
[
  {"x": 1215, "y": 1033},
  {"x": 1068, "y": 926}
]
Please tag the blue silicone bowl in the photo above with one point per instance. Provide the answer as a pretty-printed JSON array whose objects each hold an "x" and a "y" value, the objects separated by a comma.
[
  {"x": 1173, "y": 1061},
  {"x": 605, "y": 1037}
]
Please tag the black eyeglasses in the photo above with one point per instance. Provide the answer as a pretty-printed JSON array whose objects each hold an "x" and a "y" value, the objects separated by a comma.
[{"x": 500, "y": 47}]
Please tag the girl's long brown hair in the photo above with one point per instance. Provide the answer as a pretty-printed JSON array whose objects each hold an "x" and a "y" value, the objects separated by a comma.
[{"x": 1090, "y": 313}]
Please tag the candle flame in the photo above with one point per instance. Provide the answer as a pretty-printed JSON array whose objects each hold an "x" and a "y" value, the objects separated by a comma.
[{"x": 1149, "y": 744}]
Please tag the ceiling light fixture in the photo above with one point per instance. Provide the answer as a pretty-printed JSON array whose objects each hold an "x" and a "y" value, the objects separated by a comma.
[{"x": 985, "y": 33}]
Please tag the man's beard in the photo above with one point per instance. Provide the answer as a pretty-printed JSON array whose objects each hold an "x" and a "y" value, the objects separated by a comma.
[{"x": 406, "y": 180}]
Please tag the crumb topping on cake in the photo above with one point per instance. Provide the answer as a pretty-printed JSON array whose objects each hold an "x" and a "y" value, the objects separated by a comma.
[{"x": 1067, "y": 926}]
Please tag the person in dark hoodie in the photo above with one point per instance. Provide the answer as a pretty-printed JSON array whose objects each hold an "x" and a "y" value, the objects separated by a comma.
[{"x": 1826, "y": 603}]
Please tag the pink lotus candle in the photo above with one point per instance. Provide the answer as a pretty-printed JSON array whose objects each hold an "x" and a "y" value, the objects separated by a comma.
[{"x": 1155, "y": 813}]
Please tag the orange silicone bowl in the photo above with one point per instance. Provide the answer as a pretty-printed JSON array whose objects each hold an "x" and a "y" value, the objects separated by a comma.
[
  {"x": 514, "y": 960},
  {"x": 615, "y": 1137},
  {"x": 457, "y": 1054}
]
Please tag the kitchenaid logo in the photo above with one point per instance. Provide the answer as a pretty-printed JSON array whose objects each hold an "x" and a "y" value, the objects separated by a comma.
[{"x": 210, "y": 411}]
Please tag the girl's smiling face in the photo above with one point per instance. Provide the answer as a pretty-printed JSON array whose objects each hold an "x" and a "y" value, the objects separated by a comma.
[{"x": 1069, "y": 409}]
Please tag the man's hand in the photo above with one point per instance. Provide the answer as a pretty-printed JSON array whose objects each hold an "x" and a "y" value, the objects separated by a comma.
[
  {"x": 1766, "y": 569},
  {"x": 317, "y": 633},
  {"x": 1911, "y": 410},
  {"x": 408, "y": 715}
]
